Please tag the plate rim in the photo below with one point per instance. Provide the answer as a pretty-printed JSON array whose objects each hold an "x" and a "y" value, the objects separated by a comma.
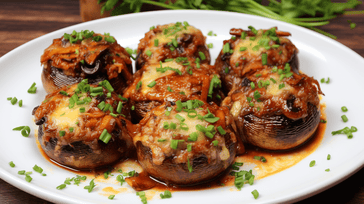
[{"x": 54, "y": 197}]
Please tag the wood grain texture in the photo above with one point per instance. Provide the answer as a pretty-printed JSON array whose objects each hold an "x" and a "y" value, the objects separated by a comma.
[{"x": 22, "y": 21}]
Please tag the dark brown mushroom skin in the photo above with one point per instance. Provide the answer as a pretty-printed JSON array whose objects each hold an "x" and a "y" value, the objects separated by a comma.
[
  {"x": 89, "y": 155},
  {"x": 178, "y": 174},
  {"x": 278, "y": 132},
  {"x": 66, "y": 63}
]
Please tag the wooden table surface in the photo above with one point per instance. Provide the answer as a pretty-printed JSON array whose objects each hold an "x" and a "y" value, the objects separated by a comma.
[{"x": 22, "y": 21}]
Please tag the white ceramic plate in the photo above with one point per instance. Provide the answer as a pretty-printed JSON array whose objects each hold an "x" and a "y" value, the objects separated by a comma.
[{"x": 319, "y": 57}]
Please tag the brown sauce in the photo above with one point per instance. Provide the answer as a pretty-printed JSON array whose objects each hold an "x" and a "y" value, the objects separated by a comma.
[{"x": 276, "y": 162}]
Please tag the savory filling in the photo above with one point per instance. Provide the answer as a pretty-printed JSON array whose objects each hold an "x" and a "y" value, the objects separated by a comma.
[
  {"x": 183, "y": 132},
  {"x": 171, "y": 41},
  {"x": 276, "y": 90},
  {"x": 175, "y": 79},
  {"x": 81, "y": 112},
  {"x": 83, "y": 53}
]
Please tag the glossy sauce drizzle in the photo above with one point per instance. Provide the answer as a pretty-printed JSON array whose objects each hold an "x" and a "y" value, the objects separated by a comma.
[{"x": 276, "y": 162}]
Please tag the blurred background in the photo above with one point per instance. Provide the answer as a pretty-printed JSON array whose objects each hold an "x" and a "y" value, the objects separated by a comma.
[{"x": 22, "y": 21}]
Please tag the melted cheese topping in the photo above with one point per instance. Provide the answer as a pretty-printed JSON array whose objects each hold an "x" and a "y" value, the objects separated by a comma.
[
  {"x": 150, "y": 74},
  {"x": 64, "y": 117},
  {"x": 166, "y": 38},
  {"x": 190, "y": 123},
  {"x": 273, "y": 88}
]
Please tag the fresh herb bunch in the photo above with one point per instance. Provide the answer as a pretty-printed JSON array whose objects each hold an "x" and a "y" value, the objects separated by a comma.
[{"x": 290, "y": 11}]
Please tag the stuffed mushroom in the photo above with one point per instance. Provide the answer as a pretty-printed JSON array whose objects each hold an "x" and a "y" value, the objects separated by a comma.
[
  {"x": 83, "y": 126},
  {"x": 85, "y": 55},
  {"x": 181, "y": 78},
  {"x": 275, "y": 108},
  {"x": 171, "y": 41},
  {"x": 187, "y": 143},
  {"x": 248, "y": 51}
]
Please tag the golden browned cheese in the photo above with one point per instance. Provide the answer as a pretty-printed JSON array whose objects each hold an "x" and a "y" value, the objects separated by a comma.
[
  {"x": 70, "y": 134},
  {"x": 243, "y": 54},
  {"x": 171, "y": 41},
  {"x": 265, "y": 92},
  {"x": 65, "y": 63},
  {"x": 176, "y": 79}
]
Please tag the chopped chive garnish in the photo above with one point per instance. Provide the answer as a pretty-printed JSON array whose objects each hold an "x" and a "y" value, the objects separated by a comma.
[
  {"x": 37, "y": 169},
  {"x": 344, "y": 118},
  {"x": 226, "y": 48},
  {"x": 221, "y": 130},
  {"x": 63, "y": 93},
  {"x": 60, "y": 187},
  {"x": 20, "y": 103},
  {"x": 189, "y": 166},
  {"x": 255, "y": 194},
  {"x": 169, "y": 89},
  {"x": 312, "y": 163},
  {"x": 180, "y": 118},
  {"x": 120, "y": 106},
  {"x": 189, "y": 147},
  {"x": 193, "y": 137},
  {"x": 28, "y": 178},
  {"x": 91, "y": 186},
  {"x": 62, "y": 133},
  {"x": 32, "y": 89},
  {"x": 21, "y": 172},
  {"x": 12, "y": 164},
  {"x": 105, "y": 136},
  {"x": 215, "y": 143},
  {"x": 152, "y": 84},
  {"x": 148, "y": 53},
  {"x": 242, "y": 48},
  {"x": 156, "y": 42},
  {"x": 174, "y": 143},
  {"x": 167, "y": 194},
  {"x": 328, "y": 157},
  {"x": 82, "y": 109},
  {"x": 264, "y": 58},
  {"x": 139, "y": 84},
  {"x": 344, "y": 109},
  {"x": 14, "y": 101},
  {"x": 202, "y": 55},
  {"x": 71, "y": 129},
  {"x": 111, "y": 197}
]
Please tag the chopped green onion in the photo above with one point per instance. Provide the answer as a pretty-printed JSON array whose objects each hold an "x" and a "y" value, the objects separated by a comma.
[
  {"x": 152, "y": 84},
  {"x": 344, "y": 118},
  {"x": 13, "y": 101},
  {"x": 202, "y": 55},
  {"x": 344, "y": 109},
  {"x": 264, "y": 58},
  {"x": 180, "y": 118},
  {"x": 189, "y": 166},
  {"x": 139, "y": 84},
  {"x": 215, "y": 143},
  {"x": 12, "y": 164},
  {"x": 221, "y": 130},
  {"x": 226, "y": 48},
  {"x": 193, "y": 137},
  {"x": 255, "y": 194},
  {"x": 62, "y": 133},
  {"x": 156, "y": 42},
  {"x": 167, "y": 194},
  {"x": 328, "y": 157},
  {"x": 37, "y": 169},
  {"x": 148, "y": 53},
  {"x": 312, "y": 163},
  {"x": 28, "y": 178},
  {"x": 32, "y": 89},
  {"x": 91, "y": 186},
  {"x": 111, "y": 197},
  {"x": 60, "y": 187}
]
